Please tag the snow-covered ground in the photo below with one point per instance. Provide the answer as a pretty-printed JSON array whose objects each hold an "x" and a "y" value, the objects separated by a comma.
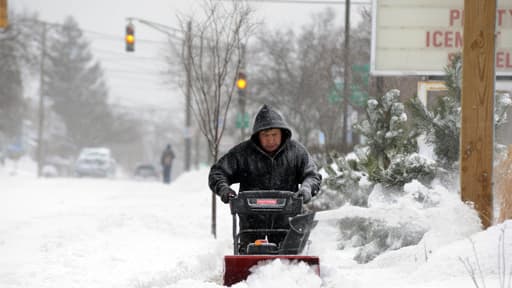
[{"x": 96, "y": 233}]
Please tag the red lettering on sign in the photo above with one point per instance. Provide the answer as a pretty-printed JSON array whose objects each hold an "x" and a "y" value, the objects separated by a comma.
[
  {"x": 503, "y": 60},
  {"x": 499, "y": 60},
  {"x": 438, "y": 36},
  {"x": 443, "y": 39},
  {"x": 448, "y": 39},
  {"x": 500, "y": 12},
  {"x": 458, "y": 39},
  {"x": 454, "y": 15}
]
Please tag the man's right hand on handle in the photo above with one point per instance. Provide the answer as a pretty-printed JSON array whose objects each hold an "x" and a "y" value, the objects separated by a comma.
[
  {"x": 227, "y": 194},
  {"x": 303, "y": 193}
]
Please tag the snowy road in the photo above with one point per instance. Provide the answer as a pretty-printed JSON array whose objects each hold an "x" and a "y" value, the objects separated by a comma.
[{"x": 102, "y": 233}]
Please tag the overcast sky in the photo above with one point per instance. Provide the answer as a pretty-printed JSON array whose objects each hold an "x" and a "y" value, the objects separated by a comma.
[{"x": 137, "y": 78}]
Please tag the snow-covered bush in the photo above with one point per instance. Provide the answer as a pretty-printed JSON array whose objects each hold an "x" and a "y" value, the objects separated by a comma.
[
  {"x": 344, "y": 184},
  {"x": 405, "y": 168},
  {"x": 389, "y": 157},
  {"x": 396, "y": 219},
  {"x": 375, "y": 236}
]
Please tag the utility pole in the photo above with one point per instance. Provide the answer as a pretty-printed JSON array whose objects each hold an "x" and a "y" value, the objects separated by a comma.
[
  {"x": 242, "y": 94},
  {"x": 477, "y": 103},
  {"x": 188, "y": 104},
  {"x": 346, "y": 75},
  {"x": 40, "y": 132}
]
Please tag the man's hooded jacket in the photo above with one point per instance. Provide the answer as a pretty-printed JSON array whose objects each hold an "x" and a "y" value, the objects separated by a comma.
[{"x": 248, "y": 164}]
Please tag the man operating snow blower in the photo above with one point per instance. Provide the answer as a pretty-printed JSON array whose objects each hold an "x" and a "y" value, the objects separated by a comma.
[{"x": 269, "y": 162}]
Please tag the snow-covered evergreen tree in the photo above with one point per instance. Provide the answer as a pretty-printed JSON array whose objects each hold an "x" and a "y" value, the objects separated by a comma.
[
  {"x": 389, "y": 158},
  {"x": 11, "y": 89},
  {"x": 442, "y": 125},
  {"x": 17, "y": 53},
  {"x": 390, "y": 153},
  {"x": 74, "y": 82}
]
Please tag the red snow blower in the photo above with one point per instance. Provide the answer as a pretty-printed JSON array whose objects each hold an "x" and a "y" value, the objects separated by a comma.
[{"x": 292, "y": 237}]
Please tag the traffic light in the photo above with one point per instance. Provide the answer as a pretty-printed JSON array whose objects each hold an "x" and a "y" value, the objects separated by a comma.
[
  {"x": 3, "y": 14},
  {"x": 241, "y": 81},
  {"x": 129, "y": 39}
]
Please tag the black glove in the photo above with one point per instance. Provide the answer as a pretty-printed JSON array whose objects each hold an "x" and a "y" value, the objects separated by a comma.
[
  {"x": 227, "y": 194},
  {"x": 305, "y": 194}
]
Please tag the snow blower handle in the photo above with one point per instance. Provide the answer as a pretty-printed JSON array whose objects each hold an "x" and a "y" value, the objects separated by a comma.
[
  {"x": 304, "y": 194},
  {"x": 262, "y": 202},
  {"x": 226, "y": 194}
]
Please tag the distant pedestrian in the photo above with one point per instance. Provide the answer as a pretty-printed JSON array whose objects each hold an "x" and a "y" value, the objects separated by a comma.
[{"x": 166, "y": 161}]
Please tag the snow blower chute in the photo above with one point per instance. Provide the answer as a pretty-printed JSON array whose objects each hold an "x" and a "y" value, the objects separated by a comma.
[{"x": 268, "y": 204}]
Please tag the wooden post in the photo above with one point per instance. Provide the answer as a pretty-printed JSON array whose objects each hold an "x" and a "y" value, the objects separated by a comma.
[{"x": 477, "y": 123}]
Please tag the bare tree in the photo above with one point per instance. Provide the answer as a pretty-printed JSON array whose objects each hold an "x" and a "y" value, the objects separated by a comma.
[
  {"x": 297, "y": 73},
  {"x": 302, "y": 74},
  {"x": 213, "y": 58}
]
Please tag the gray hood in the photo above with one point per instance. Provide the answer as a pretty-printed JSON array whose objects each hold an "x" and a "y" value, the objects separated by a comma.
[{"x": 269, "y": 118}]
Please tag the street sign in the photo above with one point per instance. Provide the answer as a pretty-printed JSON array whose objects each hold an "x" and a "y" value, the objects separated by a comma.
[
  {"x": 242, "y": 121},
  {"x": 361, "y": 74},
  {"x": 358, "y": 94}
]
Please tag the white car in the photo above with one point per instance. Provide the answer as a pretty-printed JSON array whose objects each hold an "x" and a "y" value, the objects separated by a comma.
[{"x": 95, "y": 162}]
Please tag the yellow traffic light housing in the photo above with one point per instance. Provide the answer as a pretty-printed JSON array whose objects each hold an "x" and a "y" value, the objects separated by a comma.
[
  {"x": 241, "y": 81},
  {"x": 129, "y": 39},
  {"x": 3, "y": 14}
]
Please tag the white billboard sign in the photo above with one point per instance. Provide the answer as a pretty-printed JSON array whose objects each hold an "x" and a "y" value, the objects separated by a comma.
[{"x": 418, "y": 37}]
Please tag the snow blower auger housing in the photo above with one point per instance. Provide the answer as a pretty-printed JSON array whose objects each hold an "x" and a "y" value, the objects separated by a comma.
[{"x": 295, "y": 236}]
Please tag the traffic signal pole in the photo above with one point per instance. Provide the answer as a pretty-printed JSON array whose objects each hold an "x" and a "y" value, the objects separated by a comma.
[
  {"x": 242, "y": 94},
  {"x": 188, "y": 96},
  {"x": 346, "y": 77}
]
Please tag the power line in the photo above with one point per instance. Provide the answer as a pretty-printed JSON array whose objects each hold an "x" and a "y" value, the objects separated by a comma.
[
  {"x": 146, "y": 73},
  {"x": 110, "y": 64},
  {"x": 324, "y": 2},
  {"x": 133, "y": 78},
  {"x": 122, "y": 54},
  {"x": 121, "y": 37}
]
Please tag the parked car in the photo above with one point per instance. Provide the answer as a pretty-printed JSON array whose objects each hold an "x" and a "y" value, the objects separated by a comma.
[
  {"x": 49, "y": 170},
  {"x": 146, "y": 171},
  {"x": 95, "y": 162}
]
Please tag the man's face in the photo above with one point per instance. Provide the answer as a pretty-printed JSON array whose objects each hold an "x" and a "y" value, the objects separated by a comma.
[{"x": 270, "y": 139}]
